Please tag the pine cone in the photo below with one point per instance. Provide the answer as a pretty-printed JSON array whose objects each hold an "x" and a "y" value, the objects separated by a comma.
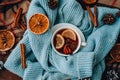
[
  {"x": 108, "y": 18},
  {"x": 53, "y": 4}
]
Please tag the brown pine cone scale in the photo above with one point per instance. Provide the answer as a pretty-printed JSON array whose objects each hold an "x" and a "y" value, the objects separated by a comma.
[
  {"x": 53, "y": 4},
  {"x": 108, "y": 18}
]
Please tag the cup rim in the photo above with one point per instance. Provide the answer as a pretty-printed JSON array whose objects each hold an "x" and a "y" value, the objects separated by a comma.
[{"x": 78, "y": 32}]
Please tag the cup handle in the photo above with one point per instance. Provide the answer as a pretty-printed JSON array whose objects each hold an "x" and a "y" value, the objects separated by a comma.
[{"x": 83, "y": 43}]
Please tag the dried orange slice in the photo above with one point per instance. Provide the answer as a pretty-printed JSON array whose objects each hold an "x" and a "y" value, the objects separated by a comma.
[
  {"x": 7, "y": 40},
  {"x": 68, "y": 33},
  {"x": 59, "y": 41},
  {"x": 38, "y": 23},
  {"x": 89, "y": 1},
  {"x": 115, "y": 53}
]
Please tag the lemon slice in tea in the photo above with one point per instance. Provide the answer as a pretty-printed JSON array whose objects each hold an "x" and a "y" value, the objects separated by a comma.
[
  {"x": 7, "y": 40},
  {"x": 68, "y": 33},
  {"x": 38, "y": 23},
  {"x": 59, "y": 41}
]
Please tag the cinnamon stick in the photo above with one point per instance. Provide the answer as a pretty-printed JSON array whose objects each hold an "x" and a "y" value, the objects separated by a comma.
[
  {"x": 17, "y": 17},
  {"x": 90, "y": 14},
  {"x": 92, "y": 17},
  {"x": 95, "y": 16},
  {"x": 22, "y": 25},
  {"x": 22, "y": 52}
]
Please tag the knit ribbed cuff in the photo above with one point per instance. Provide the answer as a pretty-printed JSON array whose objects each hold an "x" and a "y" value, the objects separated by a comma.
[
  {"x": 84, "y": 64},
  {"x": 33, "y": 71}
]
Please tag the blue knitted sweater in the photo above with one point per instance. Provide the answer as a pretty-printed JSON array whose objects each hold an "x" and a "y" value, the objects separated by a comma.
[{"x": 44, "y": 64}]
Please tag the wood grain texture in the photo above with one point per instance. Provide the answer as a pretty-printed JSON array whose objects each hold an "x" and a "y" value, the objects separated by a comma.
[{"x": 6, "y": 75}]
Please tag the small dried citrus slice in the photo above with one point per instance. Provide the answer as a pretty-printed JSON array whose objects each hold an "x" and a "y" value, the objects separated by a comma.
[
  {"x": 59, "y": 41},
  {"x": 115, "y": 53},
  {"x": 7, "y": 40},
  {"x": 38, "y": 23},
  {"x": 89, "y": 1},
  {"x": 68, "y": 33}
]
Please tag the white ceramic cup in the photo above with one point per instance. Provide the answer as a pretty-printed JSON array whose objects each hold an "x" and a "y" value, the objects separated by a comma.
[{"x": 61, "y": 26}]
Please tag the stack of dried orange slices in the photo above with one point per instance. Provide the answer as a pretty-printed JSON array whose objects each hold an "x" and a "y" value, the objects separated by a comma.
[
  {"x": 7, "y": 40},
  {"x": 38, "y": 23}
]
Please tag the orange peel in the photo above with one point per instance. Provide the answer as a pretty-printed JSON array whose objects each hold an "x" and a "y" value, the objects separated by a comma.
[{"x": 89, "y": 1}]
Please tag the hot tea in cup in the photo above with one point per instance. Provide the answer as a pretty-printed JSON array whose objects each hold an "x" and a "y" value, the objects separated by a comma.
[{"x": 67, "y": 39}]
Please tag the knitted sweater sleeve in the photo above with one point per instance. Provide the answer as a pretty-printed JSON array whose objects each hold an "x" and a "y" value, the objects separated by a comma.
[
  {"x": 15, "y": 65},
  {"x": 33, "y": 67},
  {"x": 45, "y": 64}
]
